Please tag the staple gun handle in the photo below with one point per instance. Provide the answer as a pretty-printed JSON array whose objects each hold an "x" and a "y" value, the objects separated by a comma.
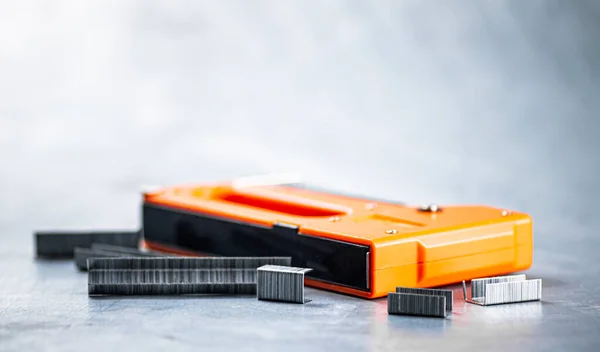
[{"x": 263, "y": 198}]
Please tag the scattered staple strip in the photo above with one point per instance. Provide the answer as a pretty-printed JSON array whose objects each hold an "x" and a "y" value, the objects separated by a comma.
[
  {"x": 171, "y": 282},
  {"x": 430, "y": 292},
  {"x": 62, "y": 244},
  {"x": 105, "y": 250},
  {"x": 503, "y": 289},
  {"x": 281, "y": 283},
  {"x": 176, "y": 276},
  {"x": 420, "y": 302}
]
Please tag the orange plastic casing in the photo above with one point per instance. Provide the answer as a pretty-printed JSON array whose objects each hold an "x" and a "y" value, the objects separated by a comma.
[{"x": 408, "y": 247}]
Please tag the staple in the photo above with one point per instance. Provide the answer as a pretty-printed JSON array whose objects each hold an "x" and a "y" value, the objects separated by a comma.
[
  {"x": 420, "y": 302},
  {"x": 99, "y": 250},
  {"x": 281, "y": 283},
  {"x": 184, "y": 276},
  {"x": 145, "y": 289},
  {"x": 430, "y": 292},
  {"x": 61, "y": 244},
  {"x": 417, "y": 304},
  {"x": 175, "y": 276},
  {"x": 171, "y": 281},
  {"x": 503, "y": 289}
]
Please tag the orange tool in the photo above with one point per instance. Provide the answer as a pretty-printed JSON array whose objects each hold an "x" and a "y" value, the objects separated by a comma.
[{"x": 353, "y": 246}]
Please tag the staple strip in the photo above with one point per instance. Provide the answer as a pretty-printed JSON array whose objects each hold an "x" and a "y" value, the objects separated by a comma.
[
  {"x": 417, "y": 304},
  {"x": 510, "y": 292},
  {"x": 281, "y": 283},
  {"x": 185, "y": 276},
  {"x": 62, "y": 244},
  {"x": 142, "y": 289},
  {"x": 430, "y": 292},
  {"x": 185, "y": 263},
  {"x": 478, "y": 285}
]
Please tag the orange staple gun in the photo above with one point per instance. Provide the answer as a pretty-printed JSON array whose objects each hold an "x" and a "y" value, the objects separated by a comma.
[{"x": 353, "y": 245}]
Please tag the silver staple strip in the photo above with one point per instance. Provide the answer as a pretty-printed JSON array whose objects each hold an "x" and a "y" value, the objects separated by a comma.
[
  {"x": 417, "y": 304},
  {"x": 61, "y": 244},
  {"x": 172, "y": 263},
  {"x": 478, "y": 285},
  {"x": 504, "y": 289},
  {"x": 104, "y": 250},
  {"x": 430, "y": 292},
  {"x": 281, "y": 283},
  {"x": 512, "y": 292}
]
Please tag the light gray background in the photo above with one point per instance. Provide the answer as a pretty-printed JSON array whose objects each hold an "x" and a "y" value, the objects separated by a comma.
[{"x": 492, "y": 102}]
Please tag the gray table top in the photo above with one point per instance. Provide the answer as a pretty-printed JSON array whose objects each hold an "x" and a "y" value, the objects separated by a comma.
[{"x": 491, "y": 103}]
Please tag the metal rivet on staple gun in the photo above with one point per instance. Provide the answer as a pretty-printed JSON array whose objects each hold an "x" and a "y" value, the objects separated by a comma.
[
  {"x": 505, "y": 212},
  {"x": 370, "y": 206},
  {"x": 420, "y": 302},
  {"x": 174, "y": 276},
  {"x": 281, "y": 283},
  {"x": 430, "y": 208},
  {"x": 503, "y": 289}
]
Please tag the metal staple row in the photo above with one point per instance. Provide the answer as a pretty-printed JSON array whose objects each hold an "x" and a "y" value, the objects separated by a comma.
[
  {"x": 420, "y": 302},
  {"x": 503, "y": 289},
  {"x": 178, "y": 263},
  {"x": 174, "y": 276},
  {"x": 484, "y": 291},
  {"x": 281, "y": 283}
]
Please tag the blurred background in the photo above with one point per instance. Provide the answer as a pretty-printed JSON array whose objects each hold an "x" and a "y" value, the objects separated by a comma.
[
  {"x": 485, "y": 102},
  {"x": 452, "y": 102}
]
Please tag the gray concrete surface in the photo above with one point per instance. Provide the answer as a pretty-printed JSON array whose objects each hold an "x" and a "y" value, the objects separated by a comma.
[{"x": 454, "y": 102}]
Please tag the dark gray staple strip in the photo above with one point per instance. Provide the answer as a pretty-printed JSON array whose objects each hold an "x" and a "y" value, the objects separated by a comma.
[
  {"x": 174, "y": 276},
  {"x": 183, "y": 276},
  {"x": 417, "y": 304},
  {"x": 62, "y": 244},
  {"x": 145, "y": 289},
  {"x": 171, "y": 281},
  {"x": 281, "y": 283},
  {"x": 430, "y": 292},
  {"x": 186, "y": 262}
]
